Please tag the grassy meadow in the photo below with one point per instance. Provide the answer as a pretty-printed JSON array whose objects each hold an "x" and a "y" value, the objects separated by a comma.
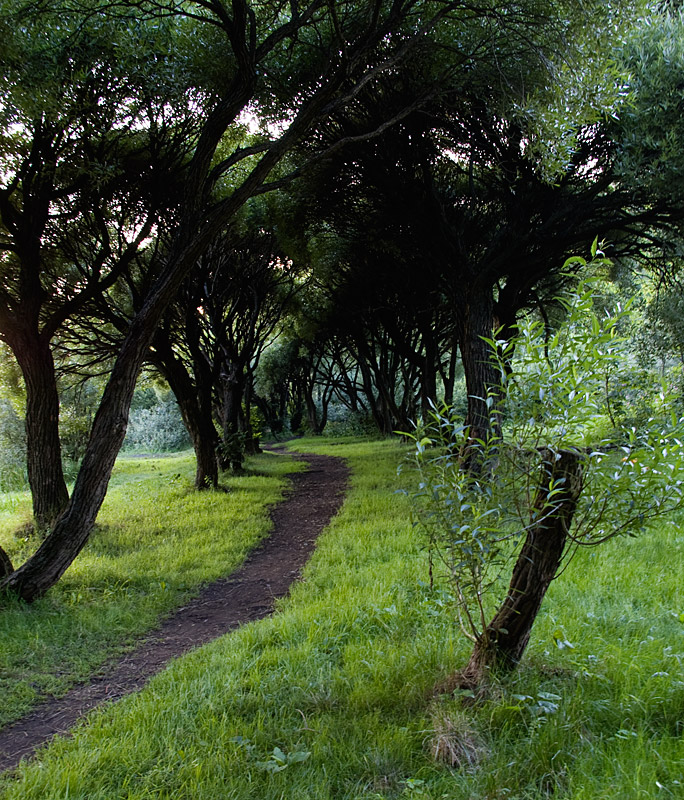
[
  {"x": 332, "y": 698},
  {"x": 156, "y": 542}
]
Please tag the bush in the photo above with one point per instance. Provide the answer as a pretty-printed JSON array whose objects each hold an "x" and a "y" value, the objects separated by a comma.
[
  {"x": 540, "y": 486},
  {"x": 158, "y": 429},
  {"x": 12, "y": 449},
  {"x": 343, "y": 422}
]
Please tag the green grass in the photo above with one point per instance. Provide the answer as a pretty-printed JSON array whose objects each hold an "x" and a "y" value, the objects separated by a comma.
[
  {"x": 156, "y": 541},
  {"x": 340, "y": 683}
]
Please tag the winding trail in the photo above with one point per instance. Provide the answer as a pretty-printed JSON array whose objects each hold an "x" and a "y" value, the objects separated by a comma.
[{"x": 246, "y": 595}]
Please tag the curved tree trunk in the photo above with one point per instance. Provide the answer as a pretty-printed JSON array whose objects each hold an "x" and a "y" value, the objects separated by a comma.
[
  {"x": 43, "y": 451},
  {"x": 503, "y": 643}
]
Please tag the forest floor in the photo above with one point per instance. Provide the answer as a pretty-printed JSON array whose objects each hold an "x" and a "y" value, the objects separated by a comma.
[{"x": 248, "y": 594}]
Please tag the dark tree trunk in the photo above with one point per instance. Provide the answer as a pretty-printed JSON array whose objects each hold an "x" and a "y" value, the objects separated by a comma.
[
  {"x": 450, "y": 376},
  {"x": 311, "y": 412},
  {"x": 73, "y": 526},
  {"x": 503, "y": 643},
  {"x": 194, "y": 402},
  {"x": 233, "y": 437},
  {"x": 325, "y": 403},
  {"x": 6, "y": 567},
  {"x": 476, "y": 322},
  {"x": 43, "y": 452},
  {"x": 354, "y": 404},
  {"x": 369, "y": 391},
  {"x": 199, "y": 424},
  {"x": 428, "y": 384},
  {"x": 251, "y": 441},
  {"x": 273, "y": 412}
]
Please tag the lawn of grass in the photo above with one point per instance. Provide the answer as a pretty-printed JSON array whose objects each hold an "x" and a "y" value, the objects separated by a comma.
[
  {"x": 332, "y": 697},
  {"x": 156, "y": 542}
]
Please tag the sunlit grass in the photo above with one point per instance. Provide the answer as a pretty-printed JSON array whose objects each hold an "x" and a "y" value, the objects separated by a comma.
[
  {"x": 156, "y": 541},
  {"x": 340, "y": 681}
]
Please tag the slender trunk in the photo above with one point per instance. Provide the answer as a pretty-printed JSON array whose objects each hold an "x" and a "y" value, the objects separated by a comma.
[
  {"x": 477, "y": 321},
  {"x": 194, "y": 403},
  {"x": 325, "y": 402},
  {"x": 392, "y": 417},
  {"x": 43, "y": 452},
  {"x": 251, "y": 441},
  {"x": 369, "y": 391},
  {"x": 450, "y": 378},
  {"x": 351, "y": 392},
  {"x": 311, "y": 409},
  {"x": 233, "y": 439},
  {"x": 428, "y": 383},
  {"x": 503, "y": 643},
  {"x": 6, "y": 567}
]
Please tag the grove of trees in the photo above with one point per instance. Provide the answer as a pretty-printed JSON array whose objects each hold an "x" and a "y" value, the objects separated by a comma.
[{"x": 299, "y": 212}]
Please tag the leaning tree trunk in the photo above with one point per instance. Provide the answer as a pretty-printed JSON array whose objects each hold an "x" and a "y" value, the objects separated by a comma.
[
  {"x": 503, "y": 643},
  {"x": 43, "y": 451}
]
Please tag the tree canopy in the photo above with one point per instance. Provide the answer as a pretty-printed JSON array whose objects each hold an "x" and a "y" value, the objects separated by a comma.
[{"x": 441, "y": 159}]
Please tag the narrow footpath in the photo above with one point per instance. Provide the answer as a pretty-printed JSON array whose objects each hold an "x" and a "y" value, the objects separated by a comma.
[{"x": 246, "y": 595}]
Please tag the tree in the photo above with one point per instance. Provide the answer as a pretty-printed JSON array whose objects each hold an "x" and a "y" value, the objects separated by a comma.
[
  {"x": 314, "y": 59},
  {"x": 556, "y": 486},
  {"x": 480, "y": 223},
  {"x": 76, "y": 197}
]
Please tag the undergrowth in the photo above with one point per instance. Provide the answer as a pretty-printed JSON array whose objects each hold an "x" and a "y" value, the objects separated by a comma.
[{"x": 332, "y": 698}]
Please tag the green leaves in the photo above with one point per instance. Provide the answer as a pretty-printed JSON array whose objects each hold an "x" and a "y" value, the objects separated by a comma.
[
  {"x": 649, "y": 127},
  {"x": 279, "y": 761},
  {"x": 556, "y": 397}
]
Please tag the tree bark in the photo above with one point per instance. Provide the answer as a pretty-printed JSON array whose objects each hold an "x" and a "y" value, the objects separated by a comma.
[
  {"x": 502, "y": 645},
  {"x": 233, "y": 437},
  {"x": 43, "y": 451},
  {"x": 197, "y": 228},
  {"x": 450, "y": 376},
  {"x": 252, "y": 447},
  {"x": 6, "y": 567},
  {"x": 476, "y": 322},
  {"x": 194, "y": 402}
]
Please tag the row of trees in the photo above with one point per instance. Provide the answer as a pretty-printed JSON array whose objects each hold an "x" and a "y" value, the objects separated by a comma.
[{"x": 388, "y": 182}]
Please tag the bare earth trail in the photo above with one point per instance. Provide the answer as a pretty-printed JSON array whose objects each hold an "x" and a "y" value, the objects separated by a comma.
[{"x": 246, "y": 595}]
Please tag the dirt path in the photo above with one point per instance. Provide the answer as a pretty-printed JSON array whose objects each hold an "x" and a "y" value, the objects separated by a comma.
[{"x": 246, "y": 595}]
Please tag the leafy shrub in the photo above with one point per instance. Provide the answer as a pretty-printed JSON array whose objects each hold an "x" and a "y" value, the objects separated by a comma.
[
  {"x": 12, "y": 449},
  {"x": 478, "y": 501},
  {"x": 343, "y": 422},
  {"x": 158, "y": 429}
]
